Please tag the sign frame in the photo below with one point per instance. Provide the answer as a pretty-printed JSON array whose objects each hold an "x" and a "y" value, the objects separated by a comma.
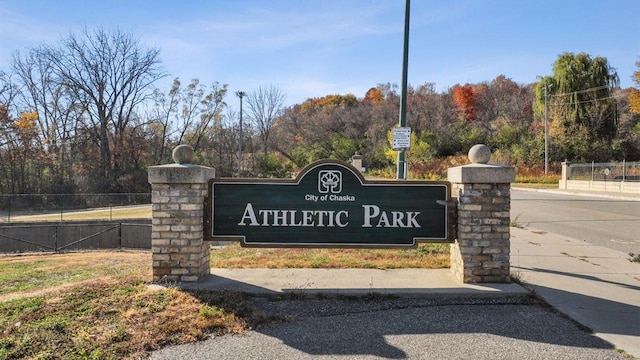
[{"x": 215, "y": 207}]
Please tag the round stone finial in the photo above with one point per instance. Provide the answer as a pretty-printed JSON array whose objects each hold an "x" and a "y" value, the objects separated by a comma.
[
  {"x": 183, "y": 154},
  {"x": 479, "y": 154}
]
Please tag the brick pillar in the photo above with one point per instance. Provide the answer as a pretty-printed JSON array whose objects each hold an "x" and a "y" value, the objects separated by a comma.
[
  {"x": 481, "y": 251},
  {"x": 179, "y": 252}
]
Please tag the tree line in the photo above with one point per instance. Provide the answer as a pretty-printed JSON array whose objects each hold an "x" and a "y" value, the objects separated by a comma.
[{"x": 84, "y": 115}]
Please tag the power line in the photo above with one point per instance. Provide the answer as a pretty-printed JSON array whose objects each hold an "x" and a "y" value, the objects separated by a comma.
[
  {"x": 582, "y": 102},
  {"x": 582, "y": 91},
  {"x": 613, "y": 96}
]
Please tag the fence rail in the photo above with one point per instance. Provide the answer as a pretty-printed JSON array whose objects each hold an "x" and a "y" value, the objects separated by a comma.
[
  {"x": 62, "y": 207},
  {"x": 621, "y": 172}
]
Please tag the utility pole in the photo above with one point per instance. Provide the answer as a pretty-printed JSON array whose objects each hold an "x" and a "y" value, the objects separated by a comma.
[
  {"x": 546, "y": 130},
  {"x": 401, "y": 168},
  {"x": 240, "y": 94}
]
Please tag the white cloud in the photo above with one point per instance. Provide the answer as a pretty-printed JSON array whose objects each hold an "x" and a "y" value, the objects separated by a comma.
[{"x": 265, "y": 29}]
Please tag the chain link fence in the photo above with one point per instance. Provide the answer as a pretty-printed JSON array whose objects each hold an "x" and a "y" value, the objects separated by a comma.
[
  {"x": 74, "y": 222},
  {"x": 624, "y": 171},
  {"x": 64, "y": 237},
  {"x": 69, "y": 207}
]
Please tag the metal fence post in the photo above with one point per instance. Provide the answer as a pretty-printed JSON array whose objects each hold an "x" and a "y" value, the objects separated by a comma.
[
  {"x": 61, "y": 208},
  {"x": 55, "y": 239}
]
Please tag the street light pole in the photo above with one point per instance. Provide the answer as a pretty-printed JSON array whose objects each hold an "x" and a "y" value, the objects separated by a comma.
[
  {"x": 401, "y": 168},
  {"x": 240, "y": 94}
]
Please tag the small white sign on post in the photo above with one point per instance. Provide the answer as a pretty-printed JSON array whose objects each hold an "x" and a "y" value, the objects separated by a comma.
[{"x": 401, "y": 138}]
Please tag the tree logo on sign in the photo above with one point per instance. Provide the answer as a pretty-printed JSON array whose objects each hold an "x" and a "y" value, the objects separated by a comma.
[{"x": 330, "y": 181}]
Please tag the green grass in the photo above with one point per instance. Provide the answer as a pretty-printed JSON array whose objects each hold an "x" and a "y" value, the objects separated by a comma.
[
  {"x": 116, "y": 213},
  {"x": 537, "y": 180},
  {"x": 34, "y": 272},
  {"x": 515, "y": 222},
  {"x": 535, "y": 185},
  {"x": 429, "y": 256}
]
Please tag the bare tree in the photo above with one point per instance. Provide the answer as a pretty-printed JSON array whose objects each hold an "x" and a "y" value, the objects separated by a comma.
[
  {"x": 187, "y": 114},
  {"x": 265, "y": 105},
  {"x": 57, "y": 113},
  {"x": 160, "y": 123},
  {"x": 8, "y": 89},
  {"x": 201, "y": 111},
  {"x": 109, "y": 74}
]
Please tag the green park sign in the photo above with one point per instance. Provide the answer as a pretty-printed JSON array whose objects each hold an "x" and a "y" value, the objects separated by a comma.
[{"x": 329, "y": 204}]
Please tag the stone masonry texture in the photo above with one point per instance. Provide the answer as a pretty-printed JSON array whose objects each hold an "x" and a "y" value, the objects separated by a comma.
[
  {"x": 179, "y": 253},
  {"x": 482, "y": 249}
]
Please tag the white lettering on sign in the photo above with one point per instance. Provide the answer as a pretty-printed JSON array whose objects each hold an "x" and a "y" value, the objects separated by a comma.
[
  {"x": 332, "y": 197},
  {"x": 373, "y": 217},
  {"x": 342, "y": 198},
  {"x": 304, "y": 218},
  {"x": 398, "y": 218},
  {"x": 311, "y": 197}
]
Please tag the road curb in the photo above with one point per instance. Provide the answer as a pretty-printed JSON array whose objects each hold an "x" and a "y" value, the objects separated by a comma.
[{"x": 629, "y": 197}]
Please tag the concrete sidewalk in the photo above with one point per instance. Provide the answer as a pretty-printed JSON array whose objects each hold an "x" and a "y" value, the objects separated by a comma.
[
  {"x": 352, "y": 282},
  {"x": 596, "y": 286}
]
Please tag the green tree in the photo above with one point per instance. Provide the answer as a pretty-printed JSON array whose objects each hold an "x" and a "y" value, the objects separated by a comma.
[{"x": 580, "y": 104}]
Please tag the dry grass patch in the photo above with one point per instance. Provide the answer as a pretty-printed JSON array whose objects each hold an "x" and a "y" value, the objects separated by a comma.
[
  {"x": 108, "y": 319},
  {"x": 99, "y": 306},
  {"x": 28, "y": 273},
  {"x": 426, "y": 256}
]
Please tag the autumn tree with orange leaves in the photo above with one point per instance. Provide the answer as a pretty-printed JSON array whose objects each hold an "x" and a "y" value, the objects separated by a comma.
[
  {"x": 19, "y": 137},
  {"x": 464, "y": 98},
  {"x": 634, "y": 97},
  {"x": 373, "y": 96}
]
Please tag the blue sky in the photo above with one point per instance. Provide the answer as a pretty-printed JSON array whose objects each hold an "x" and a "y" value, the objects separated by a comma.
[{"x": 312, "y": 48}]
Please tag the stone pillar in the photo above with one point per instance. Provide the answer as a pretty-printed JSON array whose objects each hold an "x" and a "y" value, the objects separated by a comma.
[
  {"x": 356, "y": 161},
  {"x": 566, "y": 174},
  {"x": 482, "y": 249},
  {"x": 179, "y": 252}
]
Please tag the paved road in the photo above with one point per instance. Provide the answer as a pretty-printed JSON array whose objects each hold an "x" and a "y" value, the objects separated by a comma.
[
  {"x": 612, "y": 223},
  {"x": 405, "y": 329}
]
